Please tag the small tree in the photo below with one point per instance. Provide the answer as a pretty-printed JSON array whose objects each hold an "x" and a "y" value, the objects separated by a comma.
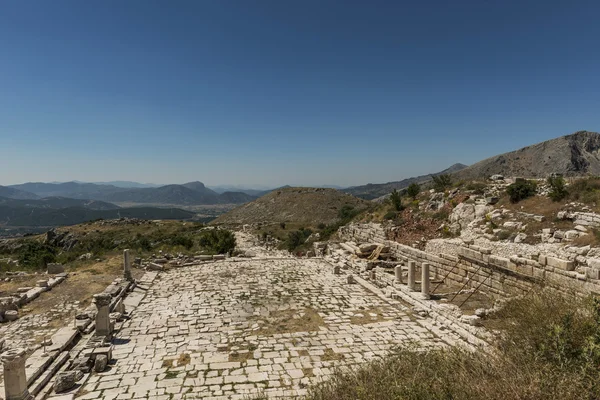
[
  {"x": 441, "y": 182},
  {"x": 413, "y": 190},
  {"x": 558, "y": 191},
  {"x": 396, "y": 200},
  {"x": 521, "y": 190}
]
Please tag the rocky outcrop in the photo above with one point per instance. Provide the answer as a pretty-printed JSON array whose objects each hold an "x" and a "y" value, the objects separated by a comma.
[{"x": 571, "y": 155}]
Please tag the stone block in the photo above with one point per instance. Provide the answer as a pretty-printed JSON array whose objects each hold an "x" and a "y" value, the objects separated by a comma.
[
  {"x": 54, "y": 268},
  {"x": 560, "y": 264}
]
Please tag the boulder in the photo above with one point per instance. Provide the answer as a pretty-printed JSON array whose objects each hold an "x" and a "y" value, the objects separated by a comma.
[
  {"x": 54, "y": 268},
  {"x": 64, "y": 381},
  {"x": 100, "y": 363},
  {"x": 367, "y": 247}
]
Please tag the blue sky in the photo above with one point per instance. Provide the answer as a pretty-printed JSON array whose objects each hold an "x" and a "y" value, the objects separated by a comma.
[{"x": 287, "y": 92}]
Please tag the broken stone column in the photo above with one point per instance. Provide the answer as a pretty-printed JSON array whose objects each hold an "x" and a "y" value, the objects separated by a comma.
[
  {"x": 373, "y": 275},
  {"x": 411, "y": 276},
  {"x": 425, "y": 280},
  {"x": 102, "y": 301},
  {"x": 15, "y": 381},
  {"x": 127, "y": 266},
  {"x": 398, "y": 273},
  {"x": 336, "y": 270}
]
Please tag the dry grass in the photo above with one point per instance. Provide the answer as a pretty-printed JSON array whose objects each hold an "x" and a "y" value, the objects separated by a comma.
[
  {"x": 331, "y": 355},
  {"x": 184, "y": 359},
  {"x": 292, "y": 321}
]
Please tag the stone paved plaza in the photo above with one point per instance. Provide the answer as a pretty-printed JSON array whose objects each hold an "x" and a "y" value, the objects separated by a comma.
[{"x": 234, "y": 329}]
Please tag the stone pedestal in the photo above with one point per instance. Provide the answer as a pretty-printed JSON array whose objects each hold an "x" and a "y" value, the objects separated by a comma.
[
  {"x": 425, "y": 280},
  {"x": 398, "y": 274},
  {"x": 336, "y": 270},
  {"x": 127, "y": 265},
  {"x": 15, "y": 381},
  {"x": 411, "y": 276},
  {"x": 102, "y": 302}
]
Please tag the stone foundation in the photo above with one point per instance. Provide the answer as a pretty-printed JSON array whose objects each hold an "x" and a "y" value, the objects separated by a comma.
[{"x": 476, "y": 266}]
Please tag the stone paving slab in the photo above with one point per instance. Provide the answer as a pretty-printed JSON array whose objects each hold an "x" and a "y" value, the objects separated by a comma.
[{"x": 229, "y": 330}]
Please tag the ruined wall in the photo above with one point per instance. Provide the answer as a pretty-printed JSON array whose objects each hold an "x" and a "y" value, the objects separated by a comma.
[{"x": 478, "y": 267}]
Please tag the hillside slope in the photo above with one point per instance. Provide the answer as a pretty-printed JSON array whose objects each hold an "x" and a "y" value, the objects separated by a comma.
[
  {"x": 14, "y": 193},
  {"x": 571, "y": 155},
  {"x": 374, "y": 190},
  {"x": 302, "y": 205}
]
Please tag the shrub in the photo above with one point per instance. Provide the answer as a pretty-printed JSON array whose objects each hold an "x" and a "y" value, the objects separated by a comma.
[
  {"x": 297, "y": 238},
  {"x": 390, "y": 215},
  {"x": 282, "y": 225},
  {"x": 321, "y": 226},
  {"x": 520, "y": 190},
  {"x": 181, "y": 240},
  {"x": 441, "y": 182},
  {"x": 217, "y": 241},
  {"x": 413, "y": 190},
  {"x": 36, "y": 255},
  {"x": 396, "y": 200},
  {"x": 347, "y": 212},
  {"x": 558, "y": 191}
]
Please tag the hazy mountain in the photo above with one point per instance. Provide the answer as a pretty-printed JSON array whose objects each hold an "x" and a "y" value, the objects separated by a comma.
[
  {"x": 72, "y": 190},
  {"x": 570, "y": 155},
  {"x": 15, "y": 193},
  {"x": 169, "y": 194},
  {"x": 127, "y": 184},
  {"x": 374, "y": 190},
  {"x": 191, "y": 193},
  {"x": 235, "y": 198},
  {"x": 57, "y": 203}
]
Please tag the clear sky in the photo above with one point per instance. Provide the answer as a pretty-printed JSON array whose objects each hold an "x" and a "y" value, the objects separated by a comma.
[{"x": 287, "y": 92}]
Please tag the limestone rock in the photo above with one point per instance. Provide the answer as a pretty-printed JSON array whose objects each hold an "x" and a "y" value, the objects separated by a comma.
[
  {"x": 65, "y": 381},
  {"x": 100, "y": 363}
]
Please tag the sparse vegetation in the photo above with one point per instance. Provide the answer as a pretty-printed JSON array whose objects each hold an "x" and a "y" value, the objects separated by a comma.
[{"x": 520, "y": 190}]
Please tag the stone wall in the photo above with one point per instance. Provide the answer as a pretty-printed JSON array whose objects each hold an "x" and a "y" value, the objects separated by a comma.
[{"x": 478, "y": 267}]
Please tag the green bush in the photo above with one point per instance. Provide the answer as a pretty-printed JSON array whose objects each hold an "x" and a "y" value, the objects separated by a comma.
[
  {"x": 297, "y": 238},
  {"x": 558, "y": 191},
  {"x": 34, "y": 254},
  {"x": 219, "y": 241},
  {"x": 520, "y": 190},
  {"x": 396, "y": 200},
  {"x": 346, "y": 213},
  {"x": 413, "y": 190},
  {"x": 441, "y": 182},
  {"x": 181, "y": 240}
]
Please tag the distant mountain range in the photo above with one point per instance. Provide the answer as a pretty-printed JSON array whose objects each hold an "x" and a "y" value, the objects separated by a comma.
[
  {"x": 375, "y": 190},
  {"x": 192, "y": 193}
]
